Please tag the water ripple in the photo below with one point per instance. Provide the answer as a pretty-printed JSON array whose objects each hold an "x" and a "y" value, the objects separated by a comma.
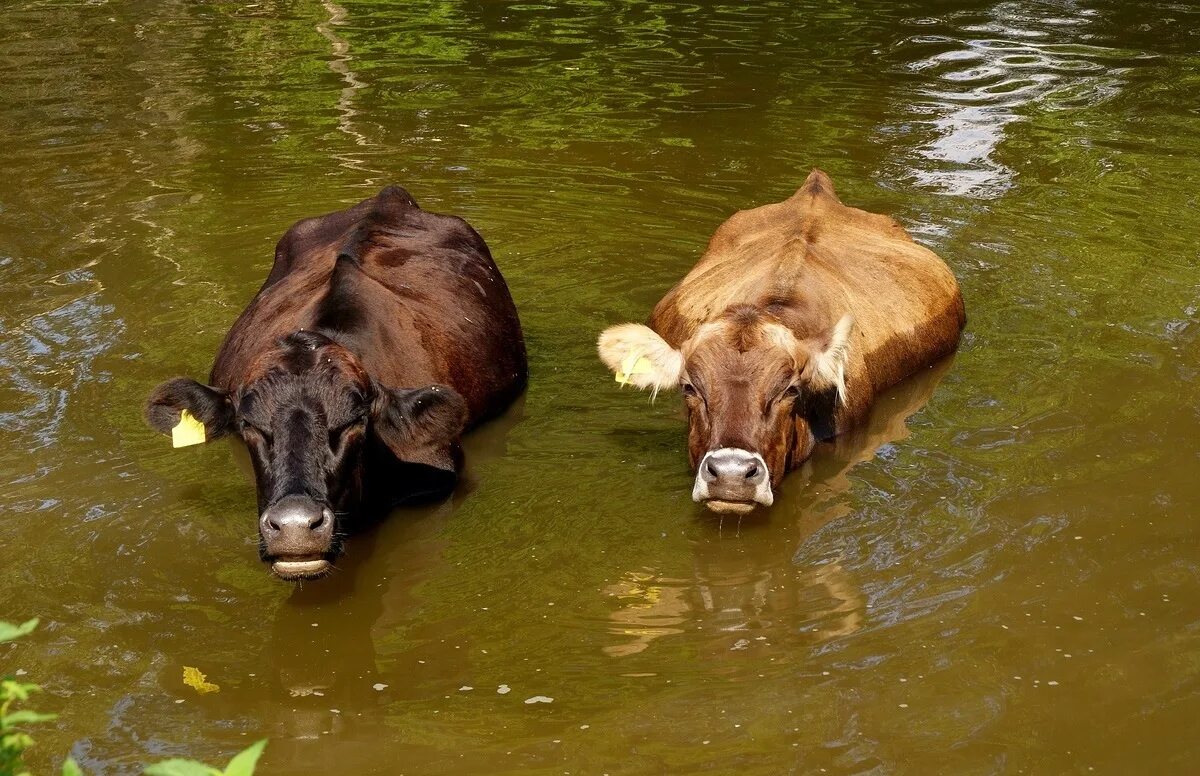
[{"x": 974, "y": 89}]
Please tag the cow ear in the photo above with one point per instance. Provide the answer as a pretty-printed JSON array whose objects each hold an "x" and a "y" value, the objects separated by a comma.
[
  {"x": 421, "y": 425},
  {"x": 637, "y": 355},
  {"x": 206, "y": 404},
  {"x": 827, "y": 357}
]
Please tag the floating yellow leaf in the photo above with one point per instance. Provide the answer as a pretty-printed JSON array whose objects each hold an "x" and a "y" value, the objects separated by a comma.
[
  {"x": 196, "y": 680},
  {"x": 188, "y": 431}
]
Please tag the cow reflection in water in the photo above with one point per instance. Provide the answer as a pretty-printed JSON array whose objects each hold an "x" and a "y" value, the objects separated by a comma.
[
  {"x": 331, "y": 659},
  {"x": 324, "y": 672},
  {"x": 744, "y": 582}
]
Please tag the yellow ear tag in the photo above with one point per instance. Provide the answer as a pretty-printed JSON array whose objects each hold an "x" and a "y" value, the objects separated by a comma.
[
  {"x": 188, "y": 431},
  {"x": 634, "y": 364}
]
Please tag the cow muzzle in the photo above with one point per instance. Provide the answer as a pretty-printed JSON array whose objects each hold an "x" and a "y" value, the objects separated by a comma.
[
  {"x": 297, "y": 535},
  {"x": 730, "y": 480}
]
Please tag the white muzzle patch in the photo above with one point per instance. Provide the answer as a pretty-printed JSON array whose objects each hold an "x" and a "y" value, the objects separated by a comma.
[{"x": 734, "y": 476}]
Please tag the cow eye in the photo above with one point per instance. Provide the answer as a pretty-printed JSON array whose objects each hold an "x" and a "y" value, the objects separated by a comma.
[
  {"x": 335, "y": 433},
  {"x": 353, "y": 421},
  {"x": 248, "y": 426},
  {"x": 792, "y": 391},
  {"x": 688, "y": 389}
]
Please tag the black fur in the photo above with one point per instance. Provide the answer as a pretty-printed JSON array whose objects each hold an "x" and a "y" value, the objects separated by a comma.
[
  {"x": 208, "y": 405},
  {"x": 415, "y": 424}
]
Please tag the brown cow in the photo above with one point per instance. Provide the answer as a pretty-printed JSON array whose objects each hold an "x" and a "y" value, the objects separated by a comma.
[
  {"x": 381, "y": 333},
  {"x": 797, "y": 315}
]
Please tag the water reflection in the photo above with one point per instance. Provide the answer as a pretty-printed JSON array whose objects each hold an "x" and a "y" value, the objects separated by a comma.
[
  {"x": 978, "y": 83},
  {"x": 340, "y": 63},
  {"x": 156, "y": 152},
  {"x": 752, "y": 584},
  {"x": 322, "y": 665},
  {"x": 322, "y": 656}
]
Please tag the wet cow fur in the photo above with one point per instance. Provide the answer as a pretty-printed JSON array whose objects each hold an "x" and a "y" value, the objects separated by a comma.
[
  {"x": 796, "y": 317},
  {"x": 380, "y": 334}
]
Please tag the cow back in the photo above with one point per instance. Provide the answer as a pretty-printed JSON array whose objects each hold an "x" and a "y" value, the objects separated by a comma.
[
  {"x": 810, "y": 260},
  {"x": 415, "y": 295}
]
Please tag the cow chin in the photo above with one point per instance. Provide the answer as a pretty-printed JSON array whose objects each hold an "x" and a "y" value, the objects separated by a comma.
[
  {"x": 732, "y": 481},
  {"x": 297, "y": 570}
]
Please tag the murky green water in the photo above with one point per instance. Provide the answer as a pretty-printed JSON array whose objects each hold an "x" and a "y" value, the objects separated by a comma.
[{"x": 1011, "y": 584}]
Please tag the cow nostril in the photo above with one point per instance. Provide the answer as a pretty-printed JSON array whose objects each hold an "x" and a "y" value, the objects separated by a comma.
[
  {"x": 295, "y": 516},
  {"x": 752, "y": 472},
  {"x": 712, "y": 472}
]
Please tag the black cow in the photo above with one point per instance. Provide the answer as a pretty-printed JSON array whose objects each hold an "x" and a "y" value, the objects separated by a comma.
[{"x": 381, "y": 333}]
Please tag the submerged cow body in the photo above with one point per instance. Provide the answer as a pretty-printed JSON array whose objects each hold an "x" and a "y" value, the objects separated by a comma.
[
  {"x": 797, "y": 315},
  {"x": 380, "y": 334}
]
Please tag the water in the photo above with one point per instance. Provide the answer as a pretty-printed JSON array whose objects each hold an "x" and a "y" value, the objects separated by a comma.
[{"x": 1002, "y": 579}]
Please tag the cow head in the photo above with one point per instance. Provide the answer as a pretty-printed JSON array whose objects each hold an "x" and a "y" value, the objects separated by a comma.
[
  {"x": 758, "y": 396},
  {"x": 309, "y": 415}
]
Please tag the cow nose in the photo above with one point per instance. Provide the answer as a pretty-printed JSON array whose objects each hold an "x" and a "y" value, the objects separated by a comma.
[
  {"x": 297, "y": 526},
  {"x": 732, "y": 480},
  {"x": 733, "y": 466},
  {"x": 295, "y": 513}
]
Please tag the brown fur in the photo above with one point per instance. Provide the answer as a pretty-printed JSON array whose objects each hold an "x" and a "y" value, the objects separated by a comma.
[
  {"x": 803, "y": 264},
  {"x": 381, "y": 332},
  {"x": 415, "y": 296}
]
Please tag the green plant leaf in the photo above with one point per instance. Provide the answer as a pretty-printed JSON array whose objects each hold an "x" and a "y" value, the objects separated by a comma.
[
  {"x": 26, "y": 717},
  {"x": 243, "y": 763},
  {"x": 8, "y": 631},
  {"x": 10, "y": 690},
  {"x": 71, "y": 768},
  {"x": 16, "y": 742},
  {"x": 180, "y": 768}
]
